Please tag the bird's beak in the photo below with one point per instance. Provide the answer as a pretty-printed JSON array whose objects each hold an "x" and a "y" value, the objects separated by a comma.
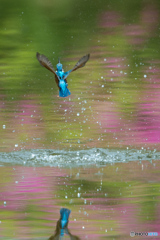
[{"x": 58, "y": 60}]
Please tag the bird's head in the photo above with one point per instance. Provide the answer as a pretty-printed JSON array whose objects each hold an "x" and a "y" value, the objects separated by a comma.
[{"x": 59, "y": 66}]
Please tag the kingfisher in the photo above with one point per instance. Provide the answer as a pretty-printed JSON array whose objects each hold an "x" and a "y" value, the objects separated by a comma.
[
  {"x": 60, "y": 75},
  {"x": 62, "y": 226},
  {"x": 64, "y": 217}
]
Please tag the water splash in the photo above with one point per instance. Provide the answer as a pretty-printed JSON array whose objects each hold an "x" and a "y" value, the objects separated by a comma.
[{"x": 62, "y": 158}]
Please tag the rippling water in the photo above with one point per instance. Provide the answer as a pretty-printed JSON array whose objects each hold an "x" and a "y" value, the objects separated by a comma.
[
  {"x": 96, "y": 152},
  {"x": 106, "y": 201}
]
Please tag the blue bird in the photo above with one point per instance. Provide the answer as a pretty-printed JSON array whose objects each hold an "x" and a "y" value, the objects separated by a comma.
[
  {"x": 62, "y": 226},
  {"x": 60, "y": 75},
  {"x": 64, "y": 219}
]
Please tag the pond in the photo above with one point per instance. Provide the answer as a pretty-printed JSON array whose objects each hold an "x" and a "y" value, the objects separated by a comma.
[{"x": 95, "y": 152}]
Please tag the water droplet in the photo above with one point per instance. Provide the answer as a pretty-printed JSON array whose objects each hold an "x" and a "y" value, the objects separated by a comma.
[{"x": 78, "y": 194}]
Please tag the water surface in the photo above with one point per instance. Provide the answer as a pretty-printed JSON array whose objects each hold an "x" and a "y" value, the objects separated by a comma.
[{"x": 106, "y": 201}]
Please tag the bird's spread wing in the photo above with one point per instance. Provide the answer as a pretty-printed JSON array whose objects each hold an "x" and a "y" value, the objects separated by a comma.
[
  {"x": 79, "y": 64},
  {"x": 47, "y": 64},
  {"x": 73, "y": 237}
]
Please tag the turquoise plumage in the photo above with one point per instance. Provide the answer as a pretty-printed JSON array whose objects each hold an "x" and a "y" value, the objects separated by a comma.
[
  {"x": 60, "y": 75},
  {"x": 62, "y": 227}
]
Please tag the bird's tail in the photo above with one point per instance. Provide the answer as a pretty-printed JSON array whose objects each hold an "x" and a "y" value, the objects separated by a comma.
[
  {"x": 64, "y": 212},
  {"x": 64, "y": 93}
]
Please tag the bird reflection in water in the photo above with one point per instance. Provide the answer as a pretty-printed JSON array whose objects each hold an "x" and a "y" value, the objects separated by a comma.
[{"x": 62, "y": 227}]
